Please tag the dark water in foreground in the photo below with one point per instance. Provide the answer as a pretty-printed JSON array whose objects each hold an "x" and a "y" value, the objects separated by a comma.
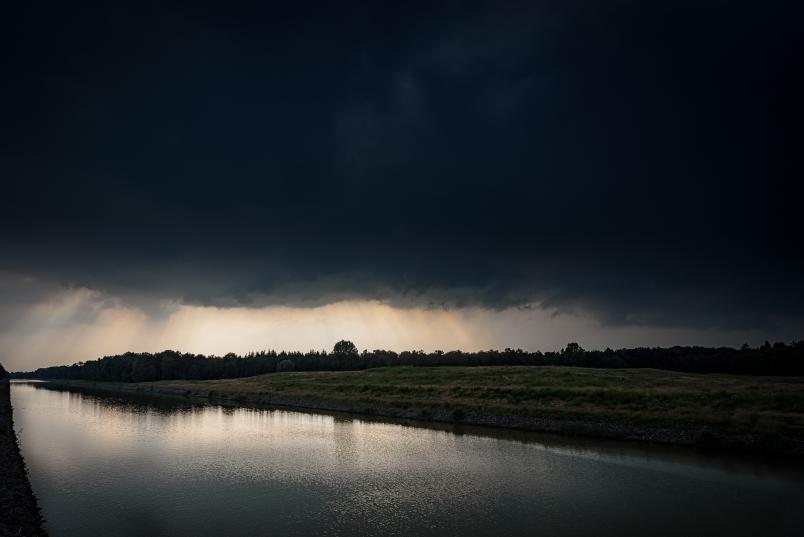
[{"x": 126, "y": 466}]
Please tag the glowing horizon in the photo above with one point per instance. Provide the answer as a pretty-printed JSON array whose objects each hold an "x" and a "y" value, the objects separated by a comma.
[{"x": 79, "y": 324}]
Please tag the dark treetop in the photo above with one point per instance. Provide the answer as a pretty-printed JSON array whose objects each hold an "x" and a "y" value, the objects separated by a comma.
[{"x": 776, "y": 359}]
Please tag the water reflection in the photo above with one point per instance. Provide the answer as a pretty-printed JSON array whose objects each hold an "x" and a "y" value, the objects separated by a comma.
[{"x": 136, "y": 465}]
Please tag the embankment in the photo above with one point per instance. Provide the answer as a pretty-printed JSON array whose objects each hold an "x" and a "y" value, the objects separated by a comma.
[
  {"x": 757, "y": 414},
  {"x": 19, "y": 512}
]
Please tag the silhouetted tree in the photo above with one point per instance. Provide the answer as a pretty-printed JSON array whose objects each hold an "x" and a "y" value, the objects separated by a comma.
[
  {"x": 778, "y": 359},
  {"x": 3, "y": 372},
  {"x": 345, "y": 347}
]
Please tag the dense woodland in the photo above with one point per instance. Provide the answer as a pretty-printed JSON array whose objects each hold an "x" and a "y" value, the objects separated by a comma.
[{"x": 776, "y": 359}]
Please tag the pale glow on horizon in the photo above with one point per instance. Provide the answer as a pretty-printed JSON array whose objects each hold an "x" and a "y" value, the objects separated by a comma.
[
  {"x": 79, "y": 324},
  {"x": 371, "y": 325}
]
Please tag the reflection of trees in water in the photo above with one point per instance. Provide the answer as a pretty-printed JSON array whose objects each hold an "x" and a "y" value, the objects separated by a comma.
[{"x": 130, "y": 402}]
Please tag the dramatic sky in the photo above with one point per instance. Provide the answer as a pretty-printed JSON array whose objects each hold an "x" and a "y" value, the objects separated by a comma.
[{"x": 237, "y": 176}]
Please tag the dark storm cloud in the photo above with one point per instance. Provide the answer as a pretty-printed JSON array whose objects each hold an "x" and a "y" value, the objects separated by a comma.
[{"x": 637, "y": 160}]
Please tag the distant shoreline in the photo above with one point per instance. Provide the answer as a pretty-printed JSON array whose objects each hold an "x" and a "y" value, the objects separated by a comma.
[
  {"x": 265, "y": 392},
  {"x": 19, "y": 512}
]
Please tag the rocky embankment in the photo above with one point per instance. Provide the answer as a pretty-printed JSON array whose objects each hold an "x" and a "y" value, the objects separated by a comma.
[{"x": 19, "y": 513}]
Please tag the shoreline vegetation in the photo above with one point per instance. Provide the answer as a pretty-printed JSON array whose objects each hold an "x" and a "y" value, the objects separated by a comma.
[
  {"x": 761, "y": 414},
  {"x": 19, "y": 512},
  {"x": 779, "y": 359}
]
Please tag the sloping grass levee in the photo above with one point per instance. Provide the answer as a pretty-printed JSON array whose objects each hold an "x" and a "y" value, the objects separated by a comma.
[{"x": 764, "y": 413}]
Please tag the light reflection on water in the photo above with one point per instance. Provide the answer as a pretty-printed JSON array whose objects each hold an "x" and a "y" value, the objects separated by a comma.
[{"x": 135, "y": 466}]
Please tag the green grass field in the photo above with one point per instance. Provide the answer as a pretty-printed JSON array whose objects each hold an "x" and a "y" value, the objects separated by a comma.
[{"x": 645, "y": 397}]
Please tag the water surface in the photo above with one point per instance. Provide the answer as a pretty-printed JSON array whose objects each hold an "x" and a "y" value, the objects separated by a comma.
[{"x": 128, "y": 466}]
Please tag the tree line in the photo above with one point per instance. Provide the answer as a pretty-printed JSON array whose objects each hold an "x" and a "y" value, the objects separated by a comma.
[{"x": 776, "y": 359}]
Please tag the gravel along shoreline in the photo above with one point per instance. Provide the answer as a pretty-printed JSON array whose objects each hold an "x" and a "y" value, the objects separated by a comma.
[{"x": 19, "y": 512}]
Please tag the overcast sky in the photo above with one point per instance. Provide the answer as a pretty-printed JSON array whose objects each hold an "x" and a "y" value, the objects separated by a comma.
[{"x": 237, "y": 176}]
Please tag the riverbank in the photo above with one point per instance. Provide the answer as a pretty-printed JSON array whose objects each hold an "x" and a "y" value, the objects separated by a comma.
[
  {"x": 759, "y": 414},
  {"x": 19, "y": 513}
]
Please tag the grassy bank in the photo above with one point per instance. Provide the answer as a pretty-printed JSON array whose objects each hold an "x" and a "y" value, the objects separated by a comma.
[{"x": 632, "y": 403}]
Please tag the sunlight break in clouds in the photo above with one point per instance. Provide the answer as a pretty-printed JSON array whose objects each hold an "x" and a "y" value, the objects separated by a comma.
[
  {"x": 81, "y": 324},
  {"x": 62, "y": 326}
]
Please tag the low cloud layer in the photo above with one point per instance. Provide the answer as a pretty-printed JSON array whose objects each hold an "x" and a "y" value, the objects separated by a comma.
[
  {"x": 636, "y": 165},
  {"x": 63, "y": 326}
]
